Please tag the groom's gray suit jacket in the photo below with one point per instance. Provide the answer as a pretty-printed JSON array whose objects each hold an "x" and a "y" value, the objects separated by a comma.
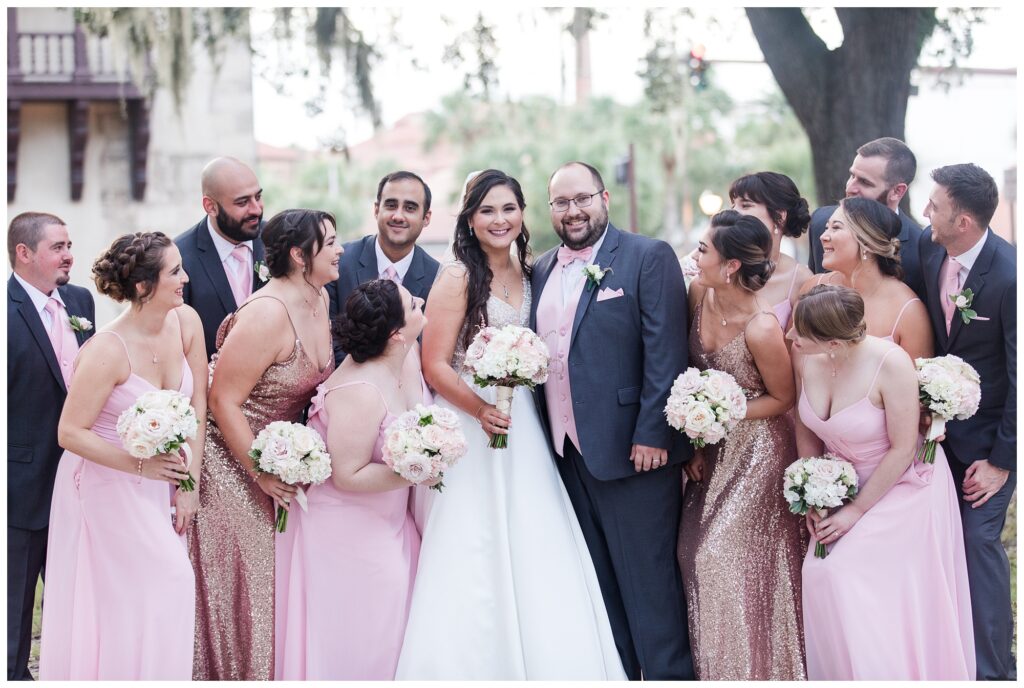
[{"x": 624, "y": 352}]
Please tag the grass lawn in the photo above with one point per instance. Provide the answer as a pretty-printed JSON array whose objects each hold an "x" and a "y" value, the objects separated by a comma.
[{"x": 1009, "y": 541}]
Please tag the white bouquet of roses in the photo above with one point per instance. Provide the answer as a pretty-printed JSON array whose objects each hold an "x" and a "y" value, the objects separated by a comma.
[
  {"x": 818, "y": 483},
  {"x": 295, "y": 454},
  {"x": 420, "y": 444},
  {"x": 706, "y": 405},
  {"x": 159, "y": 422},
  {"x": 507, "y": 358},
  {"x": 950, "y": 389}
]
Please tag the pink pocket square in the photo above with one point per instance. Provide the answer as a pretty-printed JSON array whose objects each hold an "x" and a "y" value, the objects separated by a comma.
[{"x": 606, "y": 294}]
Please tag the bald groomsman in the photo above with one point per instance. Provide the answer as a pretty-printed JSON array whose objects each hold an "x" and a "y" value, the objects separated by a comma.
[
  {"x": 402, "y": 210},
  {"x": 47, "y": 321},
  {"x": 222, "y": 254}
]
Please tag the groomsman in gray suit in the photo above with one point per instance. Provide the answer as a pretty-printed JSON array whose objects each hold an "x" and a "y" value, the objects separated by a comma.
[
  {"x": 48, "y": 319},
  {"x": 223, "y": 251},
  {"x": 882, "y": 171},
  {"x": 402, "y": 210},
  {"x": 617, "y": 342},
  {"x": 959, "y": 252}
]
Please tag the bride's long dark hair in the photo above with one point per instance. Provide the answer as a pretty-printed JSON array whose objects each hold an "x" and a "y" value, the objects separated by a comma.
[{"x": 468, "y": 251}]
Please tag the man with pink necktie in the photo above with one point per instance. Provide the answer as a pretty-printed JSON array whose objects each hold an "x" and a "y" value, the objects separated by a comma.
[
  {"x": 47, "y": 321},
  {"x": 970, "y": 289},
  {"x": 223, "y": 253}
]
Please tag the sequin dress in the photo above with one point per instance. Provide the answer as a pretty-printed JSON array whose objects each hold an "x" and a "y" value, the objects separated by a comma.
[
  {"x": 232, "y": 541},
  {"x": 740, "y": 550}
]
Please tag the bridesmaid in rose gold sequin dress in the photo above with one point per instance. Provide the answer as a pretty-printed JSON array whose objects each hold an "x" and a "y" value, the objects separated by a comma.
[
  {"x": 232, "y": 543},
  {"x": 740, "y": 550}
]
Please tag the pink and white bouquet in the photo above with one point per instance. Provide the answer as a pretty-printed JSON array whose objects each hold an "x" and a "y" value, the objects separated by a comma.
[
  {"x": 507, "y": 358},
  {"x": 159, "y": 422},
  {"x": 706, "y": 405},
  {"x": 295, "y": 454},
  {"x": 950, "y": 389},
  {"x": 422, "y": 443},
  {"x": 819, "y": 483}
]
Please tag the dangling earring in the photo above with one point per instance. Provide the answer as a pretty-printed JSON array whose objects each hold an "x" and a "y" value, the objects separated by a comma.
[
  {"x": 728, "y": 279},
  {"x": 832, "y": 360},
  {"x": 775, "y": 229},
  {"x": 470, "y": 231},
  {"x": 863, "y": 254}
]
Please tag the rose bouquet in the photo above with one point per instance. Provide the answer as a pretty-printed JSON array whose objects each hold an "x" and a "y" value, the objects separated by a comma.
[
  {"x": 159, "y": 422},
  {"x": 706, "y": 405},
  {"x": 950, "y": 389},
  {"x": 420, "y": 444},
  {"x": 818, "y": 483},
  {"x": 295, "y": 454},
  {"x": 507, "y": 358}
]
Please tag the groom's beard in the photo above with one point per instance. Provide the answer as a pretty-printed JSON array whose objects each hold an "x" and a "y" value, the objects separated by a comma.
[
  {"x": 237, "y": 230},
  {"x": 595, "y": 227}
]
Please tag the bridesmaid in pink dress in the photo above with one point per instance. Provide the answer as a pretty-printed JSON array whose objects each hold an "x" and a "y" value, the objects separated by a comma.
[
  {"x": 345, "y": 567},
  {"x": 890, "y": 601},
  {"x": 119, "y": 595},
  {"x": 774, "y": 200}
]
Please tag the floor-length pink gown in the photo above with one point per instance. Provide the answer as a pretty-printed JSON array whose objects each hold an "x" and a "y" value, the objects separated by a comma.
[
  {"x": 119, "y": 599},
  {"x": 344, "y": 574},
  {"x": 890, "y": 601}
]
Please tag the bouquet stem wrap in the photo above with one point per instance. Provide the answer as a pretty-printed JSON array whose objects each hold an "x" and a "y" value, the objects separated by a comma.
[
  {"x": 503, "y": 402},
  {"x": 820, "y": 550},
  {"x": 187, "y": 484},
  {"x": 938, "y": 426}
]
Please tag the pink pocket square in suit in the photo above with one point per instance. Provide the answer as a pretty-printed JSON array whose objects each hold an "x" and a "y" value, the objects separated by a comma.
[{"x": 606, "y": 294}]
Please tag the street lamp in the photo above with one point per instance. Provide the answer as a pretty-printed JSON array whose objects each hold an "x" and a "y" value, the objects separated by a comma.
[{"x": 709, "y": 202}]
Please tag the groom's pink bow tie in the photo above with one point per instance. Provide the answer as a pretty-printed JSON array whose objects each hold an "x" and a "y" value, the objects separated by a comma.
[{"x": 567, "y": 255}]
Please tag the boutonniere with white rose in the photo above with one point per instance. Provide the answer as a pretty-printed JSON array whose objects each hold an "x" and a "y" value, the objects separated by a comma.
[
  {"x": 594, "y": 275},
  {"x": 80, "y": 324},
  {"x": 261, "y": 270},
  {"x": 963, "y": 301}
]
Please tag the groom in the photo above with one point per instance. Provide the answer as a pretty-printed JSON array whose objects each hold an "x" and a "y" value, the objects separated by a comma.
[{"x": 617, "y": 342}]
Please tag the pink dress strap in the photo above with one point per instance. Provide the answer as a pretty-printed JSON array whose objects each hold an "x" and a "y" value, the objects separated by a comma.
[
  {"x": 792, "y": 283},
  {"x": 877, "y": 371},
  {"x": 900, "y": 316},
  {"x": 131, "y": 368},
  {"x": 361, "y": 382}
]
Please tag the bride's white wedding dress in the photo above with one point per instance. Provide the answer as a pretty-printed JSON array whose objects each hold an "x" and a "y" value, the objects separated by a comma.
[{"x": 506, "y": 589}]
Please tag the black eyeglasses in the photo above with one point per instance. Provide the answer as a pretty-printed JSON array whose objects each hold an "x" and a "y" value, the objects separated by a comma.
[{"x": 581, "y": 201}]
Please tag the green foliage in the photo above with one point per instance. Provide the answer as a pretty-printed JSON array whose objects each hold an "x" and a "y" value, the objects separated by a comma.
[{"x": 480, "y": 42}]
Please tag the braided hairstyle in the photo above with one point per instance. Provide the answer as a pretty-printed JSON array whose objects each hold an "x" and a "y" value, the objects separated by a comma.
[
  {"x": 468, "y": 251},
  {"x": 290, "y": 229},
  {"x": 133, "y": 259},
  {"x": 373, "y": 312}
]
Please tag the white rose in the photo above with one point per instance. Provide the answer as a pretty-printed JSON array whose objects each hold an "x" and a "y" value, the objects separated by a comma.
[
  {"x": 698, "y": 420},
  {"x": 961, "y": 301},
  {"x": 304, "y": 441}
]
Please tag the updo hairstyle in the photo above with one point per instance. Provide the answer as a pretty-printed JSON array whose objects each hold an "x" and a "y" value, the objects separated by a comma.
[
  {"x": 374, "y": 311},
  {"x": 744, "y": 238},
  {"x": 779, "y": 194},
  {"x": 830, "y": 312},
  {"x": 294, "y": 228},
  {"x": 133, "y": 259},
  {"x": 876, "y": 228}
]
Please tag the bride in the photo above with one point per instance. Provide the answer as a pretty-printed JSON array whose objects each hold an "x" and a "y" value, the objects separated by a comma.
[{"x": 506, "y": 589}]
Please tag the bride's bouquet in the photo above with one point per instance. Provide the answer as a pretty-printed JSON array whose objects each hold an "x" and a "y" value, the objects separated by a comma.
[
  {"x": 295, "y": 454},
  {"x": 159, "y": 422},
  {"x": 507, "y": 358},
  {"x": 950, "y": 389},
  {"x": 706, "y": 405},
  {"x": 422, "y": 443},
  {"x": 819, "y": 483}
]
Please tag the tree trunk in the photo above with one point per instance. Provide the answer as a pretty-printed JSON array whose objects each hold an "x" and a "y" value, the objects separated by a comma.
[
  {"x": 581, "y": 33},
  {"x": 850, "y": 95}
]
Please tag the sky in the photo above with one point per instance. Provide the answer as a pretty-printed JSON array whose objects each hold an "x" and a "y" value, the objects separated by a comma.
[{"x": 535, "y": 57}]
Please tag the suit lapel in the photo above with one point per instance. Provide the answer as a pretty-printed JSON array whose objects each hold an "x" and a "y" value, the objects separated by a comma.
[
  {"x": 975, "y": 282},
  {"x": 931, "y": 268},
  {"x": 258, "y": 256},
  {"x": 214, "y": 268},
  {"x": 35, "y": 325},
  {"x": 367, "y": 261},
  {"x": 414, "y": 276},
  {"x": 604, "y": 259}
]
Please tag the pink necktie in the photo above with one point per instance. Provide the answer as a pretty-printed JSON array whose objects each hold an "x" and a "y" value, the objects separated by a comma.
[
  {"x": 241, "y": 280},
  {"x": 949, "y": 285},
  {"x": 65, "y": 346},
  {"x": 392, "y": 275},
  {"x": 567, "y": 255},
  {"x": 56, "y": 331}
]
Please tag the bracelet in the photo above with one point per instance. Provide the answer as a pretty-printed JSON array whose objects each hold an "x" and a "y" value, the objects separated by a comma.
[
  {"x": 139, "y": 469},
  {"x": 477, "y": 414}
]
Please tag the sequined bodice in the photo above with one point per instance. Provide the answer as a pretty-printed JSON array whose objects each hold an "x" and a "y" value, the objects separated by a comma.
[
  {"x": 499, "y": 314},
  {"x": 733, "y": 358}
]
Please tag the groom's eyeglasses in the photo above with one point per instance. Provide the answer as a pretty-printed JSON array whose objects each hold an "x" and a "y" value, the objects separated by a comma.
[{"x": 582, "y": 201}]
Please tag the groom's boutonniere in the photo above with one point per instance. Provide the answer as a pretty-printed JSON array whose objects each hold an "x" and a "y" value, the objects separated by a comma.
[
  {"x": 962, "y": 301},
  {"x": 261, "y": 270},
  {"x": 594, "y": 275},
  {"x": 79, "y": 324}
]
